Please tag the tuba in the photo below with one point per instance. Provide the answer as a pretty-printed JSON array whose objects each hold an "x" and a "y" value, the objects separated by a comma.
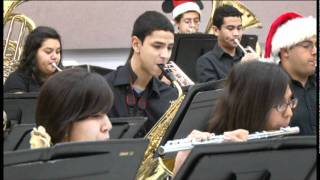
[
  {"x": 156, "y": 168},
  {"x": 13, "y": 42}
]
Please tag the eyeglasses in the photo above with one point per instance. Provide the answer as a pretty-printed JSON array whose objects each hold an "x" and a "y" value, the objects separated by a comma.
[
  {"x": 309, "y": 45},
  {"x": 282, "y": 107}
]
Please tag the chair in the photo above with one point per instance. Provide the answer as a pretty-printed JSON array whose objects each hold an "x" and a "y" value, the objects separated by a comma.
[
  {"x": 291, "y": 158},
  {"x": 113, "y": 159}
]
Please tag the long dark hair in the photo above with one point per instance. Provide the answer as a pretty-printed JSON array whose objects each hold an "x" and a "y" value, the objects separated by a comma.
[
  {"x": 148, "y": 22},
  {"x": 33, "y": 42},
  {"x": 252, "y": 89},
  {"x": 69, "y": 96}
]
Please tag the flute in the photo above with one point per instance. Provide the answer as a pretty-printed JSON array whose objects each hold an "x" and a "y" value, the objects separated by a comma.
[{"x": 187, "y": 144}]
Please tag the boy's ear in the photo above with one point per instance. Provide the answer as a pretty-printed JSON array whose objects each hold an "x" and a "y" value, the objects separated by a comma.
[
  {"x": 284, "y": 53},
  {"x": 215, "y": 30},
  {"x": 136, "y": 44}
]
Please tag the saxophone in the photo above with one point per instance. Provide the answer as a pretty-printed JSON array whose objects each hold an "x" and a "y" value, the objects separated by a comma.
[
  {"x": 13, "y": 48},
  {"x": 154, "y": 168}
]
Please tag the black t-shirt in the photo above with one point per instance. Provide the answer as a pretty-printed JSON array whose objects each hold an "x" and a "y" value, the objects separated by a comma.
[
  {"x": 216, "y": 64},
  {"x": 21, "y": 81},
  {"x": 152, "y": 102},
  {"x": 304, "y": 115}
]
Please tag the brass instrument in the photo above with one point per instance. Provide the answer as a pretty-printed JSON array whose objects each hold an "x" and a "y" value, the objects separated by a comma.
[
  {"x": 154, "y": 168},
  {"x": 187, "y": 143},
  {"x": 249, "y": 20},
  {"x": 13, "y": 48}
]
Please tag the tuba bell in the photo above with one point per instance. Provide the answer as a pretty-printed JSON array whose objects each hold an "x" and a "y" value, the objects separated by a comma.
[{"x": 13, "y": 42}]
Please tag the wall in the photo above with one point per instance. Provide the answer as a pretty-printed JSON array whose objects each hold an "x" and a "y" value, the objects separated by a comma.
[{"x": 98, "y": 32}]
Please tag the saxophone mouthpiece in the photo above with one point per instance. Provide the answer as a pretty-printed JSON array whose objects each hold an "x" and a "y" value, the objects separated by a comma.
[{"x": 167, "y": 73}]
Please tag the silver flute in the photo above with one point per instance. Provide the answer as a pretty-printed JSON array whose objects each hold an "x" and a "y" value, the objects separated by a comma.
[{"x": 187, "y": 143}]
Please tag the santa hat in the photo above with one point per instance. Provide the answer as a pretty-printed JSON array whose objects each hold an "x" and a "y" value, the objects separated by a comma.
[
  {"x": 178, "y": 7},
  {"x": 288, "y": 29}
]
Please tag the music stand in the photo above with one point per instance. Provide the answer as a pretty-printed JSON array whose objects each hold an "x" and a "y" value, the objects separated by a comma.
[
  {"x": 184, "y": 107},
  {"x": 20, "y": 108},
  {"x": 113, "y": 159},
  {"x": 126, "y": 127},
  {"x": 249, "y": 40},
  {"x": 266, "y": 159},
  {"x": 19, "y": 135},
  {"x": 91, "y": 68},
  {"x": 188, "y": 48},
  {"x": 198, "y": 113}
]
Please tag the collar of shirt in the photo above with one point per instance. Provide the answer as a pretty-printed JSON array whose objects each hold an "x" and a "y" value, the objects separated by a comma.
[
  {"x": 219, "y": 52},
  {"x": 311, "y": 82},
  {"x": 125, "y": 73}
]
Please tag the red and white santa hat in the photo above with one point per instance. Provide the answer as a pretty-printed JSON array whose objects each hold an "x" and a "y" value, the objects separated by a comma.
[
  {"x": 288, "y": 29},
  {"x": 178, "y": 7}
]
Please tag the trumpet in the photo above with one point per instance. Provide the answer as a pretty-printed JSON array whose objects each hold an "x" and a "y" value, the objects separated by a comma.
[
  {"x": 243, "y": 49},
  {"x": 187, "y": 144}
]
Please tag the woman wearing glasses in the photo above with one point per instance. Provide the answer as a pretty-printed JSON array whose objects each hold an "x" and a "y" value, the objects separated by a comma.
[{"x": 257, "y": 97}]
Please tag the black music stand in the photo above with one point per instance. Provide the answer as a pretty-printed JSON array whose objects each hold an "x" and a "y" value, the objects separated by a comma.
[
  {"x": 126, "y": 127},
  {"x": 19, "y": 135},
  {"x": 114, "y": 159},
  {"x": 20, "y": 108},
  {"x": 199, "y": 112},
  {"x": 91, "y": 68},
  {"x": 291, "y": 158},
  {"x": 188, "y": 48},
  {"x": 186, "y": 104},
  {"x": 249, "y": 40}
]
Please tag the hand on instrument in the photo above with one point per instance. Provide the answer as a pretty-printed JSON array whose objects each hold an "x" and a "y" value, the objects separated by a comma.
[
  {"x": 182, "y": 155},
  {"x": 250, "y": 57},
  {"x": 238, "y": 135}
]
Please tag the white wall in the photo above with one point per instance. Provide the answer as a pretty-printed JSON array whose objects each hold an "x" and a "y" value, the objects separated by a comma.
[{"x": 98, "y": 32}]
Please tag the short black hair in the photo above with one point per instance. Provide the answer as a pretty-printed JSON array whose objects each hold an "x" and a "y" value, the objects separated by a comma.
[
  {"x": 69, "y": 96},
  {"x": 224, "y": 11},
  {"x": 148, "y": 22}
]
